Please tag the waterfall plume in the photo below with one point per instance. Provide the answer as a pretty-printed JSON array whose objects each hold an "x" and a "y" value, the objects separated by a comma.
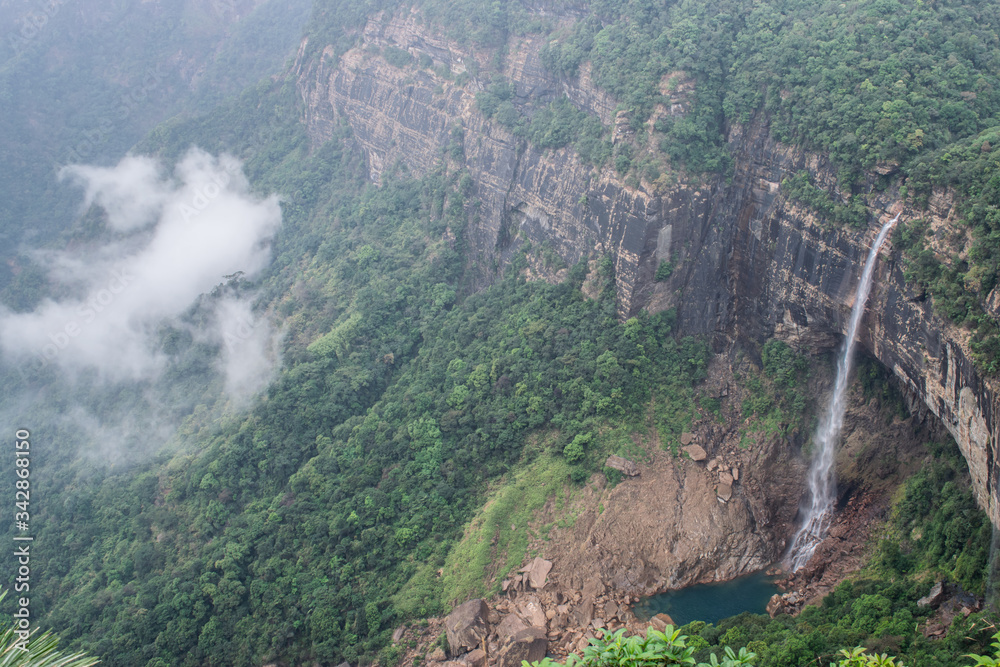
[{"x": 822, "y": 486}]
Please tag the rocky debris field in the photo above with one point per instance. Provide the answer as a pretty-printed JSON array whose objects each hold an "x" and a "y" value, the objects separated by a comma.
[{"x": 716, "y": 510}]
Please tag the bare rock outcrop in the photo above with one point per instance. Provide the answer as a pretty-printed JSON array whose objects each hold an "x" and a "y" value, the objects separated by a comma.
[
  {"x": 934, "y": 598},
  {"x": 622, "y": 465}
]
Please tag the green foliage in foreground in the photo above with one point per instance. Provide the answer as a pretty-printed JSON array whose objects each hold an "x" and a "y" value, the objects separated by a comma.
[
  {"x": 40, "y": 650},
  {"x": 672, "y": 648},
  {"x": 669, "y": 647},
  {"x": 989, "y": 660}
]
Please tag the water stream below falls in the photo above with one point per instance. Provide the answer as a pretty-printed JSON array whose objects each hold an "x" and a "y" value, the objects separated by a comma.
[{"x": 822, "y": 486}]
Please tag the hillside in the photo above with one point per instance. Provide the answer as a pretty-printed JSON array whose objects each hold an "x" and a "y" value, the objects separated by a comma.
[{"x": 515, "y": 239}]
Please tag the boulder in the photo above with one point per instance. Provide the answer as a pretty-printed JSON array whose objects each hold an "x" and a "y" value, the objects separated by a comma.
[
  {"x": 934, "y": 598},
  {"x": 735, "y": 472},
  {"x": 398, "y": 633},
  {"x": 530, "y": 645},
  {"x": 437, "y": 655},
  {"x": 775, "y": 605},
  {"x": 610, "y": 609},
  {"x": 622, "y": 465},
  {"x": 724, "y": 491},
  {"x": 696, "y": 452},
  {"x": 934, "y": 629},
  {"x": 510, "y": 626},
  {"x": 725, "y": 478},
  {"x": 537, "y": 572},
  {"x": 660, "y": 622},
  {"x": 687, "y": 438},
  {"x": 532, "y": 612},
  {"x": 583, "y": 613},
  {"x": 475, "y": 658},
  {"x": 713, "y": 464},
  {"x": 467, "y": 626}
]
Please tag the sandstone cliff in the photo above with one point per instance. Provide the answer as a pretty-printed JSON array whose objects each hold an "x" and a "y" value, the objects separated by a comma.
[{"x": 749, "y": 264}]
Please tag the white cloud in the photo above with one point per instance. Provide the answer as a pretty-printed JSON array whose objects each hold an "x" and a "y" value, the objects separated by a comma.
[
  {"x": 132, "y": 193},
  {"x": 177, "y": 237}
]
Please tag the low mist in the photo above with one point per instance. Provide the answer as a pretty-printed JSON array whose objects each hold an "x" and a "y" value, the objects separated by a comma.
[
  {"x": 177, "y": 237},
  {"x": 175, "y": 242}
]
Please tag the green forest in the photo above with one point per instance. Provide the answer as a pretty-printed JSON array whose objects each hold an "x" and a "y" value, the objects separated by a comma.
[{"x": 309, "y": 526}]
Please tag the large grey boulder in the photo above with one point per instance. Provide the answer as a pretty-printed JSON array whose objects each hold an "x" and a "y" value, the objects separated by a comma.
[
  {"x": 934, "y": 598},
  {"x": 468, "y": 626}
]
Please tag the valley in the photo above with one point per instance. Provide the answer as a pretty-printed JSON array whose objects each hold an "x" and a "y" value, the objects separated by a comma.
[{"x": 539, "y": 322}]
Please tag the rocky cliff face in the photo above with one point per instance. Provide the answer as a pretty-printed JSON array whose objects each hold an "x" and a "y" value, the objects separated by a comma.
[
  {"x": 410, "y": 116},
  {"x": 794, "y": 277},
  {"x": 749, "y": 264}
]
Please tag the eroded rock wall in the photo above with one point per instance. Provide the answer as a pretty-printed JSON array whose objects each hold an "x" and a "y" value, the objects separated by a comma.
[
  {"x": 749, "y": 264},
  {"x": 412, "y": 116},
  {"x": 793, "y": 276}
]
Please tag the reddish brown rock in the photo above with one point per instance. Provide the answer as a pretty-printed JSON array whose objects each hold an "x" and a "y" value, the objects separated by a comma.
[
  {"x": 696, "y": 452},
  {"x": 537, "y": 572},
  {"x": 475, "y": 658},
  {"x": 660, "y": 622}
]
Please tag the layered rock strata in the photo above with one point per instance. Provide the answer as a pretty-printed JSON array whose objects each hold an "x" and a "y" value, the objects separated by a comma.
[{"x": 748, "y": 264}]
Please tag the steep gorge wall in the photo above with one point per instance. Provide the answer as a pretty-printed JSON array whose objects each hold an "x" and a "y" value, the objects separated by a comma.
[
  {"x": 792, "y": 276},
  {"x": 407, "y": 116},
  {"x": 749, "y": 264}
]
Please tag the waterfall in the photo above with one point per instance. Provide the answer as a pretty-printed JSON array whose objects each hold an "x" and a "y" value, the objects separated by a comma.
[{"x": 822, "y": 488}]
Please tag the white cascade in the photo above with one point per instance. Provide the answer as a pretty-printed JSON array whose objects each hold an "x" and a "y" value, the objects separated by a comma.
[{"x": 822, "y": 486}]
